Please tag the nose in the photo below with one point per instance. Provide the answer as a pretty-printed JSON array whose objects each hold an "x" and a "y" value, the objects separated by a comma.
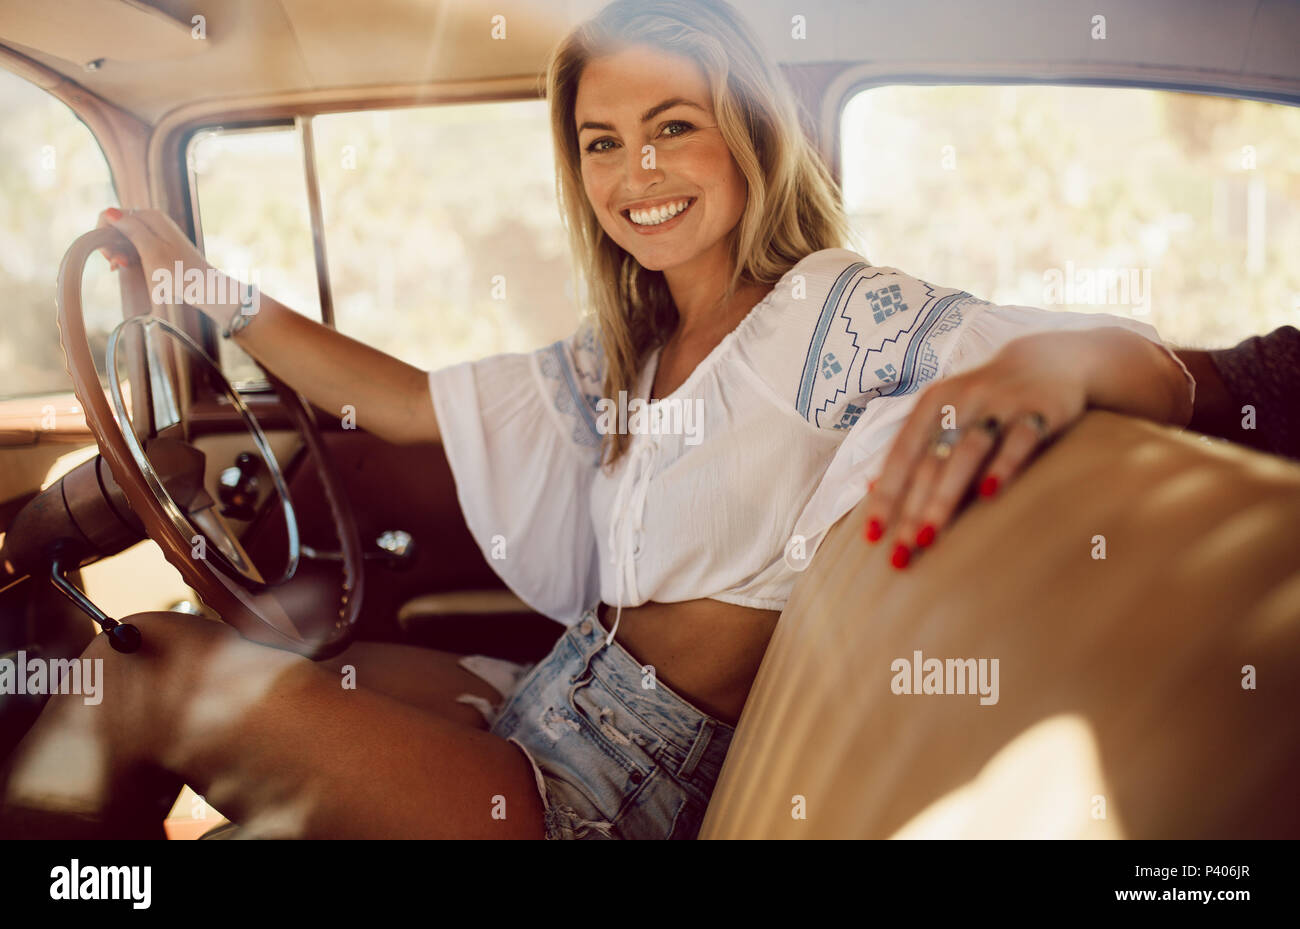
[{"x": 642, "y": 168}]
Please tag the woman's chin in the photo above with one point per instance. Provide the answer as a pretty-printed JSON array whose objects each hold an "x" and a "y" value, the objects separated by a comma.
[{"x": 660, "y": 259}]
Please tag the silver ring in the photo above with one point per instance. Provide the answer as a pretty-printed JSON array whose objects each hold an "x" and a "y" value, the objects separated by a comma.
[
  {"x": 1038, "y": 422},
  {"x": 943, "y": 442}
]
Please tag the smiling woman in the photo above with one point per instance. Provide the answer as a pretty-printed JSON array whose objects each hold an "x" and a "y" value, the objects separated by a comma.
[
  {"x": 668, "y": 114},
  {"x": 708, "y": 232}
]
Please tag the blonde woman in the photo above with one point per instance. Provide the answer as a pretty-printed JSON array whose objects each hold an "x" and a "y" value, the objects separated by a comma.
[{"x": 664, "y": 535}]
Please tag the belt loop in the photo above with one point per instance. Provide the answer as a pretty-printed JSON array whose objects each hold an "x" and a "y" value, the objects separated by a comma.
[
  {"x": 702, "y": 739},
  {"x": 590, "y": 651}
]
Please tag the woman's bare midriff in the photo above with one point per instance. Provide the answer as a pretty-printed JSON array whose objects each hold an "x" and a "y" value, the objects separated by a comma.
[{"x": 705, "y": 651}]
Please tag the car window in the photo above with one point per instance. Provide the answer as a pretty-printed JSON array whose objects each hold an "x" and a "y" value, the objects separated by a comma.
[
  {"x": 1177, "y": 209},
  {"x": 54, "y": 181},
  {"x": 252, "y": 207},
  {"x": 442, "y": 234}
]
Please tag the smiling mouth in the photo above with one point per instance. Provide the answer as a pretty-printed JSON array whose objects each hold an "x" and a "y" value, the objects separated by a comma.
[{"x": 657, "y": 216}]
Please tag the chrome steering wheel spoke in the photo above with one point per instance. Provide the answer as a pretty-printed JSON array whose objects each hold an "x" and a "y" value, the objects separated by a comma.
[{"x": 165, "y": 416}]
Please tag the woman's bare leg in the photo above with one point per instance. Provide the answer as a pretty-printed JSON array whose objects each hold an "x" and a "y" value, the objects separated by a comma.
[
  {"x": 424, "y": 678},
  {"x": 274, "y": 741}
]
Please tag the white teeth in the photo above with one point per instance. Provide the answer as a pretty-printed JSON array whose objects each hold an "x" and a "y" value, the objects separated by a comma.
[{"x": 659, "y": 214}]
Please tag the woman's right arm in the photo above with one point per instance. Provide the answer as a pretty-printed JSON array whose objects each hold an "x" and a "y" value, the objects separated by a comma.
[{"x": 391, "y": 398}]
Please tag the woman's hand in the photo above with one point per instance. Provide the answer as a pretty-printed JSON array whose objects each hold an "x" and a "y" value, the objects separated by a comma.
[
  {"x": 162, "y": 246},
  {"x": 996, "y": 410},
  {"x": 159, "y": 242}
]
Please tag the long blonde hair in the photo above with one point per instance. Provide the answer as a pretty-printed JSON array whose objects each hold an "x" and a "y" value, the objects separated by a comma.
[{"x": 793, "y": 207}]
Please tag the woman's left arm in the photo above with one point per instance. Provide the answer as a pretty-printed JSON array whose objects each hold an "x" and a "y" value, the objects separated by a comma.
[{"x": 1000, "y": 413}]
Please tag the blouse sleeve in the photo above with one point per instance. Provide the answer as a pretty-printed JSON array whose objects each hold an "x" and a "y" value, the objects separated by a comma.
[
  {"x": 520, "y": 436},
  {"x": 873, "y": 337}
]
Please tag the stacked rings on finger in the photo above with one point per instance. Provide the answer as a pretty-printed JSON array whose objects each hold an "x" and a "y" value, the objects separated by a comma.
[{"x": 945, "y": 439}]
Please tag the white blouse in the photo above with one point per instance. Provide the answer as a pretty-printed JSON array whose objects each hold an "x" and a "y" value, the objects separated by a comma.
[{"x": 731, "y": 481}]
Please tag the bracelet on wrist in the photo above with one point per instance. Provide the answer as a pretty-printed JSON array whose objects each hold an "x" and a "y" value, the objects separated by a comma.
[
  {"x": 236, "y": 323},
  {"x": 248, "y": 307}
]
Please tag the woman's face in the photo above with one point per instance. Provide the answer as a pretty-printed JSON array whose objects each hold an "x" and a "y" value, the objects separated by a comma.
[{"x": 678, "y": 200}]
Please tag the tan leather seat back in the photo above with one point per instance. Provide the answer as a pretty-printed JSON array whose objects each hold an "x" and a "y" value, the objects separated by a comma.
[{"x": 1152, "y": 692}]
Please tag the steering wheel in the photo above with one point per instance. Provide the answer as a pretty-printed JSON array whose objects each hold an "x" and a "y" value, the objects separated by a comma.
[{"x": 218, "y": 568}]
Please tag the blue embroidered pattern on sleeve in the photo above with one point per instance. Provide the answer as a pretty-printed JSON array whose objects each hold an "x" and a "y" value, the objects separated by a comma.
[
  {"x": 874, "y": 339},
  {"x": 576, "y": 382}
]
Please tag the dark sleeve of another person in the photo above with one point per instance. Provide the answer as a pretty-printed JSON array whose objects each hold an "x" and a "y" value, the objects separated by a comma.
[{"x": 1264, "y": 371}]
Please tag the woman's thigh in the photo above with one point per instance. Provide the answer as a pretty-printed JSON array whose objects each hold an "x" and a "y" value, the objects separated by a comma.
[
  {"x": 285, "y": 747},
  {"x": 424, "y": 678}
]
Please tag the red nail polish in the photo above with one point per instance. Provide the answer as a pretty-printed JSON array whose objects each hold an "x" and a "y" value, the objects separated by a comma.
[
  {"x": 925, "y": 536},
  {"x": 901, "y": 556},
  {"x": 989, "y": 487},
  {"x": 874, "y": 530},
  {"x": 113, "y": 213}
]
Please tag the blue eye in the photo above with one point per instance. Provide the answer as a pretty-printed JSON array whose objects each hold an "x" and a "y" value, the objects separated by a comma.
[
  {"x": 591, "y": 148},
  {"x": 686, "y": 127}
]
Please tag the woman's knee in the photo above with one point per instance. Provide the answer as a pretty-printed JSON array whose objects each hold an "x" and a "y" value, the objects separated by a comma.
[
  {"x": 191, "y": 680},
  {"x": 172, "y": 646}
]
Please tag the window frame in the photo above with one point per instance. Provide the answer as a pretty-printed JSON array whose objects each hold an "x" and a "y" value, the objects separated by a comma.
[
  {"x": 857, "y": 79},
  {"x": 16, "y": 412},
  {"x": 847, "y": 84},
  {"x": 300, "y": 118},
  {"x": 208, "y": 337},
  {"x": 835, "y": 95}
]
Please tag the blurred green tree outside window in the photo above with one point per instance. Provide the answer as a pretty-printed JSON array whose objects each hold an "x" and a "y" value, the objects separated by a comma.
[
  {"x": 1003, "y": 191},
  {"x": 443, "y": 237}
]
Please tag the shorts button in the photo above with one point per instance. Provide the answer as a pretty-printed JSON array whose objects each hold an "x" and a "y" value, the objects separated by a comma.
[
  {"x": 636, "y": 777},
  {"x": 585, "y": 628}
]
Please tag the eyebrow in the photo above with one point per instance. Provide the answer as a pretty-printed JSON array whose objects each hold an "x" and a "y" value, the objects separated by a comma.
[{"x": 648, "y": 114}]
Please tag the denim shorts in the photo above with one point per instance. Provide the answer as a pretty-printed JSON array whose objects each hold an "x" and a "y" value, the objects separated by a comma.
[{"x": 616, "y": 754}]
